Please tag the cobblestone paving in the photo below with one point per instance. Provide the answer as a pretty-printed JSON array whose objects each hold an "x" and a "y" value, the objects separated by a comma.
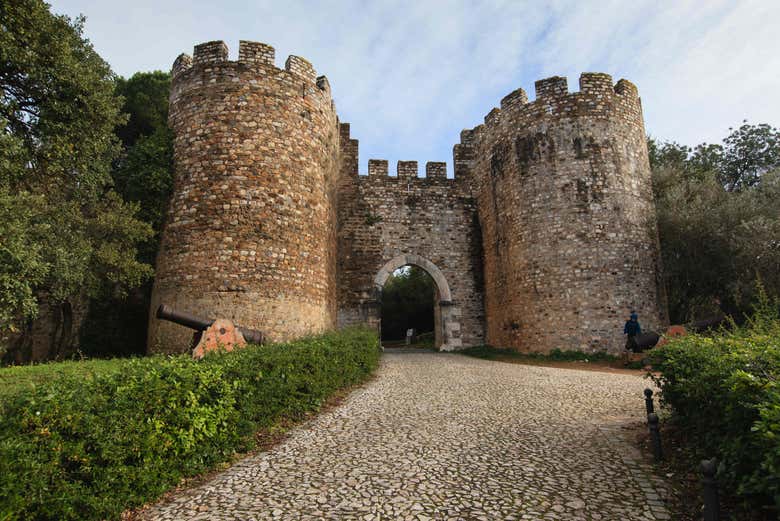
[{"x": 444, "y": 436}]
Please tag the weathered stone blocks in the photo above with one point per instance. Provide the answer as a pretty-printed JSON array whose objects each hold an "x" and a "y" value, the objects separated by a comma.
[
  {"x": 567, "y": 217},
  {"x": 250, "y": 233}
]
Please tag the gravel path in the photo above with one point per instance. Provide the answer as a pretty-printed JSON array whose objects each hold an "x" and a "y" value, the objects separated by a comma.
[{"x": 444, "y": 436}]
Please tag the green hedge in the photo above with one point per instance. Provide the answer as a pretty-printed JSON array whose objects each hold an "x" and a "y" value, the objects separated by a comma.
[
  {"x": 80, "y": 447},
  {"x": 724, "y": 392}
]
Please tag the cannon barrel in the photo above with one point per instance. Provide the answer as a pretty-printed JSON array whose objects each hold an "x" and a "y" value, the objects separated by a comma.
[
  {"x": 704, "y": 324},
  {"x": 252, "y": 336},
  {"x": 646, "y": 340},
  {"x": 201, "y": 324},
  {"x": 183, "y": 319}
]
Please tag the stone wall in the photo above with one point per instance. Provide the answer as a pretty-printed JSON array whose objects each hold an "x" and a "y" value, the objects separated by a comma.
[
  {"x": 251, "y": 229},
  {"x": 568, "y": 222},
  {"x": 386, "y": 222},
  {"x": 545, "y": 238}
]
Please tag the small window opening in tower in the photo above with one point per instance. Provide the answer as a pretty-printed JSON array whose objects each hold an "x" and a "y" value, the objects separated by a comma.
[{"x": 408, "y": 302}]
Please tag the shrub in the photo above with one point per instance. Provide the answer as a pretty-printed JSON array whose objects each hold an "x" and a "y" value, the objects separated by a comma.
[
  {"x": 89, "y": 448},
  {"x": 724, "y": 393}
]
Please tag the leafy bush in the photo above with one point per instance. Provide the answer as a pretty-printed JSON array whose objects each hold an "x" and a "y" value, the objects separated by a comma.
[
  {"x": 724, "y": 393},
  {"x": 88, "y": 448}
]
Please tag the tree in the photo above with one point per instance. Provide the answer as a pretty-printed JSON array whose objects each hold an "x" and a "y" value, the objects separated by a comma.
[
  {"x": 718, "y": 231},
  {"x": 66, "y": 233},
  {"x": 143, "y": 174},
  {"x": 145, "y": 97},
  {"x": 144, "y": 171},
  {"x": 749, "y": 152},
  {"x": 745, "y": 155}
]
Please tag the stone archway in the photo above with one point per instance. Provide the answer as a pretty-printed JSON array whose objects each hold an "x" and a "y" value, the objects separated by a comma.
[{"x": 446, "y": 313}]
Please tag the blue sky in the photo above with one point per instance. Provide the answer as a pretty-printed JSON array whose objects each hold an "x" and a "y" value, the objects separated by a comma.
[{"x": 409, "y": 76}]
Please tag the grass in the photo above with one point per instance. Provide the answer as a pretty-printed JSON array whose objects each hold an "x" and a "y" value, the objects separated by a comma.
[{"x": 22, "y": 378}]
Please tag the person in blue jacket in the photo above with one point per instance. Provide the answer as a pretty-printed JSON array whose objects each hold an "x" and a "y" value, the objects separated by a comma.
[{"x": 632, "y": 329}]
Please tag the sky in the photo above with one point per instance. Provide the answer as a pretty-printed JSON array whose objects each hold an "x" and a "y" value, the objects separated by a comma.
[{"x": 409, "y": 76}]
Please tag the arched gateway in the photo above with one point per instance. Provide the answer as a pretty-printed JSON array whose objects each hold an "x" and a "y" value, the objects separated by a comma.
[
  {"x": 387, "y": 222},
  {"x": 447, "y": 324}
]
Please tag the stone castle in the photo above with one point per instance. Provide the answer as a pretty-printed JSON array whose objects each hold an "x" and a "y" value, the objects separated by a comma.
[{"x": 545, "y": 238}]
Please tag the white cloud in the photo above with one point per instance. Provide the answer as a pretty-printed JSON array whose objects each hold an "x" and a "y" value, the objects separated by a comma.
[
  {"x": 700, "y": 66},
  {"x": 410, "y": 75}
]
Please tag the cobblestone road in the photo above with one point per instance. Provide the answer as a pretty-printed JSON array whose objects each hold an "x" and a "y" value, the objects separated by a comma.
[{"x": 444, "y": 436}]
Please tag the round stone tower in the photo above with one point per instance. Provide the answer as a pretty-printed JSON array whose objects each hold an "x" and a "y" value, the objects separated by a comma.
[
  {"x": 567, "y": 215},
  {"x": 250, "y": 232}
]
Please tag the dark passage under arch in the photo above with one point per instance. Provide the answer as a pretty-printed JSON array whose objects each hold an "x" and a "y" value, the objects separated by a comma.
[
  {"x": 446, "y": 321},
  {"x": 408, "y": 301}
]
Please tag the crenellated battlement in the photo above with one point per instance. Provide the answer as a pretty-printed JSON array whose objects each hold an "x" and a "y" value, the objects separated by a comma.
[
  {"x": 514, "y": 98},
  {"x": 210, "y": 52},
  {"x": 344, "y": 131},
  {"x": 435, "y": 171},
  {"x": 463, "y": 154},
  {"x": 256, "y": 53},
  {"x": 182, "y": 63},
  {"x": 250, "y": 54},
  {"x": 493, "y": 117},
  {"x": 597, "y": 94},
  {"x": 406, "y": 170},
  {"x": 551, "y": 87},
  {"x": 597, "y": 84},
  {"x": 627, "y": 89},
  {"x": 301, "y": 67},
  {"x": 378, "y": 169}
]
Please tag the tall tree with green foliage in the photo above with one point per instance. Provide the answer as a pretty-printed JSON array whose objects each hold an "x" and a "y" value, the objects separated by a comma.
[
  {"x": 719, "y": 220},
  {"x": 746, "y": 154},
  {"x": 144, "y": 171},
  {"x": 749, "y": 152},
  {"x": 142, "y": 174},
  {"x": 145, "y": 96},
  {"x": 64, "y": 230}
]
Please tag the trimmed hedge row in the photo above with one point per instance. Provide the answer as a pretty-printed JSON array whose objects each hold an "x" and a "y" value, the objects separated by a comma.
[
  {"x": 89, "y": 448},
  {"x": 724, "y": 392}
]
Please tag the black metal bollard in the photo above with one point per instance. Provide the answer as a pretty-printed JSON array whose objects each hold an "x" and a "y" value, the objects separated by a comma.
[
  {"x": 649, "y": 401},
  {"x": 655, "y": 436},
  {"x": 709, "y": 486}
]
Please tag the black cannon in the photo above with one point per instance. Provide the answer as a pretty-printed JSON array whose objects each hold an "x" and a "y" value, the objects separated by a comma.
[
  {"x": 201, "y": 324},
  {"x": 646, "y": 340}
]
